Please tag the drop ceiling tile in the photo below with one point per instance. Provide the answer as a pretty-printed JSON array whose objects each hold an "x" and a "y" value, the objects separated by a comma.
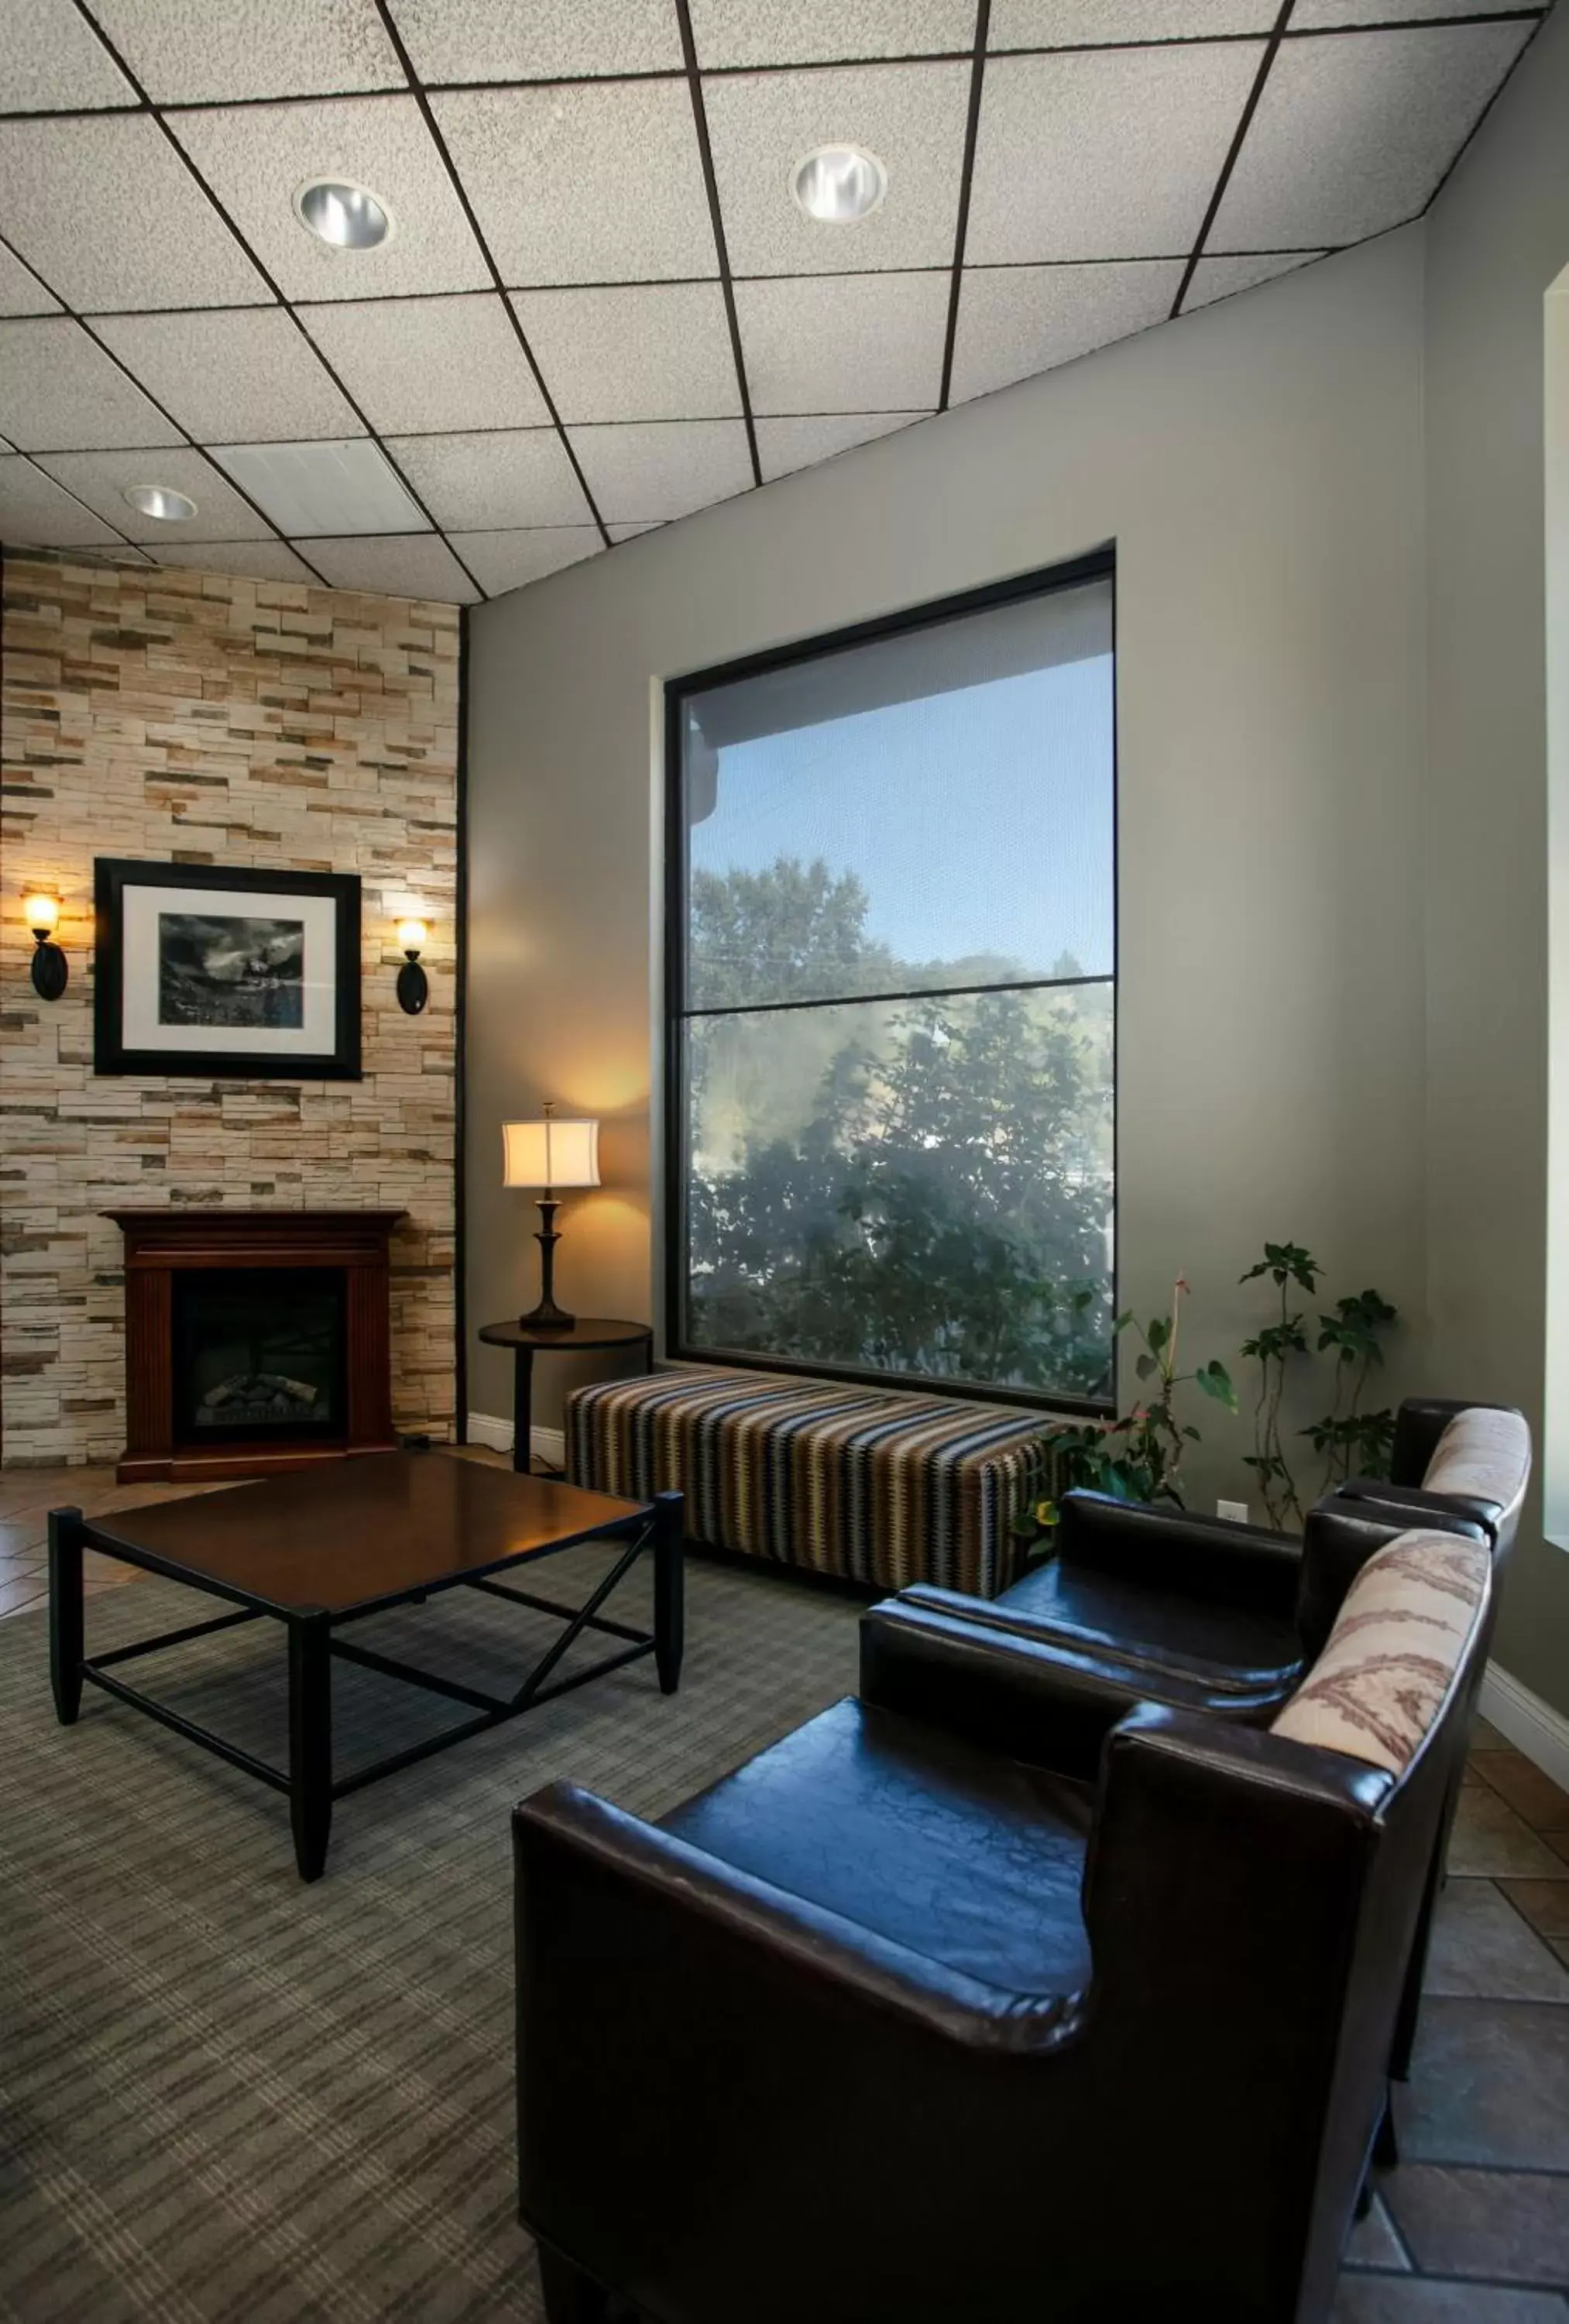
[
  {"x": 666, "y": 469},
  {"x": 207, "y": 52},
  {"x": 401, "y": 565},
  {"x": 506, "y": 560},
  {"x": 911, "y": 116},
  {"x": 549, "y": 40},
  {"x": 54, "y": 57},
  {"x": 631, "y": 531},
  {"x": 1015, "y": 320},
  {"x": 148, "y": 238},
  {"x": 1217, "y": 278},
  {"x": 1354, "y": 131},
  {"x": 845, "y": 342},
  {"x": 1310, "y": 15},
  {"x": 483, "y": 483},
  {"x": 326, "y": 489},
  {"x": 600, "y": 183},
  {"x": 234, "y": 374},
  {"x": 102, "y": 478},
  {"x": 249, "y": 560},
  {"x": 35, "y": 513},
  {"x": 1106, "y": 153},
  {"x": 1074, "y": 24},
  {"x": 811, "y": 31},
  {"x": 256, "y": 158},
  {"x": 784, "y": 446},
  {"x": 419, "y": 366},
  {"x": 638, "y": 351},
  {"x": 21, "y": 291},
  {"x": 60, "y": 389}
]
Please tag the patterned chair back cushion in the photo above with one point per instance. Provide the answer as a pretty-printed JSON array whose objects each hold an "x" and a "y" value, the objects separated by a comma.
[
  {"x": 1388, "y": 1665},
  {"x": 1484, "y": 1454}
]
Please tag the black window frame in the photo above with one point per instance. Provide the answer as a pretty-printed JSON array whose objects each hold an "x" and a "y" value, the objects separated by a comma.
[{"x": 1098, "y": 565}]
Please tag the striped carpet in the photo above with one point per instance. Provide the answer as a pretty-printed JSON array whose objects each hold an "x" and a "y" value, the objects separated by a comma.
[{"x": 227, "y": 2098}]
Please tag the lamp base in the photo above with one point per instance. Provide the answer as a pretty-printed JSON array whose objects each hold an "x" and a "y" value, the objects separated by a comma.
[{"x": 547, "y": 1316}]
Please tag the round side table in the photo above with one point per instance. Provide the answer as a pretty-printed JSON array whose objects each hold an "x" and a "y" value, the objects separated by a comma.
[{"x": 583, "y": 1337}]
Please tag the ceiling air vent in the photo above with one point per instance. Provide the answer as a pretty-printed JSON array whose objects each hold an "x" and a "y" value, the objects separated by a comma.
[{"x": 322, "y": 488}]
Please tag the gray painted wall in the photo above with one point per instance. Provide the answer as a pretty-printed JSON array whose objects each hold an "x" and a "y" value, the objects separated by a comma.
[
  {"x": 1258, "y": 467},
  {"x": 1496, "y": 238}
]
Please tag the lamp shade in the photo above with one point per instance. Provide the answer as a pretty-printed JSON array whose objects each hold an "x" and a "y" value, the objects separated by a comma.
[{"x": 550, "y": 1153}]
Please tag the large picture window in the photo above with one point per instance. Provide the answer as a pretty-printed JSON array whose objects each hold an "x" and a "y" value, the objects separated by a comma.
[{"x": 891, "y": 984}]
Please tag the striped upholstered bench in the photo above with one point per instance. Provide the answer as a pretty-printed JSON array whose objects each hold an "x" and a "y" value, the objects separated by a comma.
[{"x": 877, "y": 1485}]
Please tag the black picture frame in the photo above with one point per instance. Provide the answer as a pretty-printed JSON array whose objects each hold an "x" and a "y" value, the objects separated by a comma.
[{"x": 113, "y": 1053}]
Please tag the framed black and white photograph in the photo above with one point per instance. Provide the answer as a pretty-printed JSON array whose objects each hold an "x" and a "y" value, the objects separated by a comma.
[{"x": 250, "y": 973}]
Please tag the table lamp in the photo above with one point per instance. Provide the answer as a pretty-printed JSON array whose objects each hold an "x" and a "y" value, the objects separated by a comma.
[{"x": 549, "y": 1154}]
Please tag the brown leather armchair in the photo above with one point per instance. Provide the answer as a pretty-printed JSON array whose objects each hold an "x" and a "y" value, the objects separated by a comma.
[
  {"x": 1209, "y": 1612},
  {"x": 989, "y": 1994}
]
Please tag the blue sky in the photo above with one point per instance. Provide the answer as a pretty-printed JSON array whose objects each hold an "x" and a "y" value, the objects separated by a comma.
[{"x": 979, "y": 820}]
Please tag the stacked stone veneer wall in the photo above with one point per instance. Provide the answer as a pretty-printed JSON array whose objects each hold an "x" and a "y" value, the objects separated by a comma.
[{"x": 196, "y": 718}]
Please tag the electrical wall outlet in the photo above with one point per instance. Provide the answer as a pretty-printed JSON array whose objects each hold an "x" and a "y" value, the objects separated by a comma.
[{"x": 1236, "y": 1510}]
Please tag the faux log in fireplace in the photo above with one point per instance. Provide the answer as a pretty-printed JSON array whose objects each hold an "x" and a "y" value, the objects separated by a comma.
[{"x": 254, "y": 1339}]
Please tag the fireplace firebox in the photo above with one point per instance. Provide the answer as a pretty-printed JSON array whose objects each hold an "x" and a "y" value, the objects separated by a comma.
[
  {"x": 259, "y": 1354},
  {"x": 254, "y": 1339}
]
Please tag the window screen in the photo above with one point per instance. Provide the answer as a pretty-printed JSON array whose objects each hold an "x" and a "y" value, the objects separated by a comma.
[{"x": 892, "y": 1000}]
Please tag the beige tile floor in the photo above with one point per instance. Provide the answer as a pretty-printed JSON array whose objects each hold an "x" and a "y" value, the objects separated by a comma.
[{"x": 1473, "y": 2227}]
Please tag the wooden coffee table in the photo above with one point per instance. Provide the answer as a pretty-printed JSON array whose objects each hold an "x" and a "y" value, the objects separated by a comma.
[{"x": 320, "y": 1548}]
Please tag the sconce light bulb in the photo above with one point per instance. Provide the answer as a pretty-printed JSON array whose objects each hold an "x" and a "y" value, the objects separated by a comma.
[
  {"x": 43, "y": 913},
  {"x": 411, "y": 934}
]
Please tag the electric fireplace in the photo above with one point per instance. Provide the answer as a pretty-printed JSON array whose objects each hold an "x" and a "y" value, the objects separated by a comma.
[{"x": 254, "y": 1339}]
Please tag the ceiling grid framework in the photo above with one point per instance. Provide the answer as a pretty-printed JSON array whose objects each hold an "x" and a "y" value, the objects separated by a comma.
[{"x": 600, "y": 308}]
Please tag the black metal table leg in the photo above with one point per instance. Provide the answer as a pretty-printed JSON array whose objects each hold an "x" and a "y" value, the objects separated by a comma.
[
  {"x": 65, "y": 1612},
  {"x": 310, "y": 1740},
  {"x": 522, "y": 1409},
  {"x": 669, "y": 1588}
]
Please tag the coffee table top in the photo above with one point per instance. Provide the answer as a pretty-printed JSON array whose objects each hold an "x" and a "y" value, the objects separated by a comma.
[{"x": 347, "y": 1534}]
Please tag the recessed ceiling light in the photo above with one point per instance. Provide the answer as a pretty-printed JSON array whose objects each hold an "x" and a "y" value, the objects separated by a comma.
[
  {"x": 160, "y": 500},
  {"x": 344, "y": 216},
  {"x": 839, "y": 184}
]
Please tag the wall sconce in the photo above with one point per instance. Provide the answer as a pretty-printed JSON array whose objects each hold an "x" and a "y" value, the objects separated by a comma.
[
  {"x": 51, "y": 972},
  {"x": 413, "y": 984}
]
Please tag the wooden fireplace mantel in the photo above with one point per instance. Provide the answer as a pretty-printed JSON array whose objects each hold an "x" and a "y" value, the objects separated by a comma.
[{"x": 161, "y": 1243}]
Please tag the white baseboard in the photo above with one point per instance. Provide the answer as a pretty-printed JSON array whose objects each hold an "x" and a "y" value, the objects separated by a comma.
[
  {"x": 1532, "y": 1726},
  {"x": 547, "y": 1445}
]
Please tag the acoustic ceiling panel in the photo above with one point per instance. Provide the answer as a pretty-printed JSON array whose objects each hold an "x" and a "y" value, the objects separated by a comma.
[
  {"x": 599, "y": 307},
  {"x": 1354, "y": 131},
  {"x": 831, "y": 343},
  {"x": 600, "y": 182},
  {"x": 398, "y": 357},
  {"x": 102, "y": 208},
  {"x": 911, "y": 116},
  {"x": 233, "y": 374},
  {"x": 1014, "y": 320},
  {"x": 207, "y": 51},
  {"x": 257, "y": 158},
  {"x": 633, "y": 350},
  {"x": 1055, "y": 172}
]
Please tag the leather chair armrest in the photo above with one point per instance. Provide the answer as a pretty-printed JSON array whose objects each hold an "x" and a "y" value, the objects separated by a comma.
[
  {"x": 1227, "y": 1866},
  {"x": 1419, "y": 1423},
  {"x": 1342, "y": 1533},
  {"x": 568, "y": 1837},
  {"x": 1173, "y": 1549},
  {"x": 1029, "y": 1697},
  {"x": 1410, "y": 1506}
]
